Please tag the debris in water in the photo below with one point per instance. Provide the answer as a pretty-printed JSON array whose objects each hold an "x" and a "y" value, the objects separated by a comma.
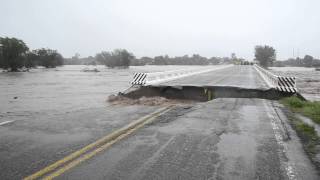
[
  {"x": 90, "y": 70},
  {"x": 147, "y": 101}
]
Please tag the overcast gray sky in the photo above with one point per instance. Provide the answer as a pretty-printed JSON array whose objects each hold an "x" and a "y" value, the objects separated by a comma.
[{"x": 173, "y": 27}]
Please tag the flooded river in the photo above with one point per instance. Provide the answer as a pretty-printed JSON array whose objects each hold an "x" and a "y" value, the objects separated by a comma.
[
  {"x": 63, "y": 89},
  {"x": 308, "y": 80},
  {"x": 68, "y": 88}
]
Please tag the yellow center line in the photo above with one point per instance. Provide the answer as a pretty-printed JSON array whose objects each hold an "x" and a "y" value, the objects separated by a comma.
[{"x": 99, "y": 145}]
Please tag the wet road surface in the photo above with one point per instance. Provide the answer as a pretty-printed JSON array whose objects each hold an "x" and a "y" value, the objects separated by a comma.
[
  {"x": 220, "y": 139},
  {"x": 29, "y": 145},
  {"x": 236, "y": 76}
]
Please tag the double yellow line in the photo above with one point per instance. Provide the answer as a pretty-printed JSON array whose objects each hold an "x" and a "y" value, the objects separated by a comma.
[{"x": 74, "y": 159}]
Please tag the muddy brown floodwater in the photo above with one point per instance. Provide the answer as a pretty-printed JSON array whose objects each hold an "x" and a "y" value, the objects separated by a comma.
[{"x": 147, "y": 101}]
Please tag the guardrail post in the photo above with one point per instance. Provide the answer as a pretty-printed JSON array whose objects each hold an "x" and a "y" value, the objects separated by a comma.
[{"x": 280, "y": 83}]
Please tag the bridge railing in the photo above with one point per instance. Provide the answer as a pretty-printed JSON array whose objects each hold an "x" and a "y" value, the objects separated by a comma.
[
  {"x": 144, "y": 79},
  {"x": 280, "y": 83}
]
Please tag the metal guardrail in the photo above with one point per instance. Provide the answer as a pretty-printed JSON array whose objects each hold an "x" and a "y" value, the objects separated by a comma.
[{"x": 280, "y": 83}]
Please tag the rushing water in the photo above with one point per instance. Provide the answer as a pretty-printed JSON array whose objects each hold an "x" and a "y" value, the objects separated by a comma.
[
  {"x": 64, "y": 89},
  {"x": 68, "y": 88},
  {"x": 308, "y": 80}
]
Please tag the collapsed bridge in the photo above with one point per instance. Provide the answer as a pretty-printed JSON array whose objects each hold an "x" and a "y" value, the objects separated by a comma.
[{"x": 207, "y": 83}]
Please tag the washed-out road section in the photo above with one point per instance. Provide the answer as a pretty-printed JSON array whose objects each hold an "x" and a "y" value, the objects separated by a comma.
[{"x": 226, "y": 138}]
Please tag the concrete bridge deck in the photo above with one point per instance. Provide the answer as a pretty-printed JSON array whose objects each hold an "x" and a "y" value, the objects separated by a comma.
[{"x": 237, "y": 76}]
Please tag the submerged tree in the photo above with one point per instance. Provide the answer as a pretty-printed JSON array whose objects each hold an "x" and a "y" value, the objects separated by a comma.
[
  {"x": 117, "y": 58},
  {"x": 30, "y": 60},
  {"x": 12, "y": 53},
  {"x": 47, "y": 57},
  {"x": 15, "y": 54},
  {"x": 308, "y": 61},
  {"x": 265, "y": 55},
  {"x": 123, "y": 57},
  {"x": 105, "y": 58}
]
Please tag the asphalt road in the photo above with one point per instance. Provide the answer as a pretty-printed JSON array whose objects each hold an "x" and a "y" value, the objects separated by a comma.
[
  {"x": 237, "y": 76},
  {"x": 220, "y": 139},
  {"x": 29, "y": 145}
]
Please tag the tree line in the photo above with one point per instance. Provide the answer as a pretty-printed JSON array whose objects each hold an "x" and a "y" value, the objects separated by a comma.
[
  {"x": 195, "y": 59},
  {"x": 306, "y": 61},
  {"x": 266, "y": 56},
  {"x": 16, "y": 55},
  {"x": 123, "y": 58}
]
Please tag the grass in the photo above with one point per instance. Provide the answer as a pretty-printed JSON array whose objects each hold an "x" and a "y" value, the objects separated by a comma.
[
  {"x": 307, "y": 133},
  {"x": 309, "y": 109}
]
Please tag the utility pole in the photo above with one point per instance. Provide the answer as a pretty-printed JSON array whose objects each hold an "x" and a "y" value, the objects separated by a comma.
[{"x": 293, "y": 52}]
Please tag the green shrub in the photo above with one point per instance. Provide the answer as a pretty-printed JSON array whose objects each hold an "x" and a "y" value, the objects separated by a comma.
[{"x": 293, "y": 102}]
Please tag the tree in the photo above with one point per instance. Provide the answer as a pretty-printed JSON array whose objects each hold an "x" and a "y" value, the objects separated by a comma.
[
  {"x": 30, "y": 60},
  {"x": 76, "y": 56},
  {"x": 159, "y": 60},
  {"x": 117, "y": 58},
  {"x": 265, "y": 55},
  {"x": 122, "y": 57},
  {"x": 307, "y": 61},
  {"x": 12, "y": 53},
  {"x": 48, "y": 58},
  {"x": 105, "y": 58}
]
